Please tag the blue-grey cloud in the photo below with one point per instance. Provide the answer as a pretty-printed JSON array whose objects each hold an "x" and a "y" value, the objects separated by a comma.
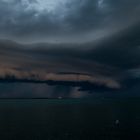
[
  {"x": 43, "y": 70},
  {"x": 60, "y": 20}
]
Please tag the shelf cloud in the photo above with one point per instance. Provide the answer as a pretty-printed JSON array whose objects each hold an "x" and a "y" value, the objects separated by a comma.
[{"x": 84, "y": 46}]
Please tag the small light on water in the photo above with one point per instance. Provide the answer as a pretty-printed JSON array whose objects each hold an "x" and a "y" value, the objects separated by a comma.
[
  {"x": 117, "y": 122},
  {"x": 60, "y": 97}
]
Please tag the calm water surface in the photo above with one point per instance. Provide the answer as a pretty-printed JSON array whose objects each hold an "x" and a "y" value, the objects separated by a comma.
[{"x": 69, "y": 119}]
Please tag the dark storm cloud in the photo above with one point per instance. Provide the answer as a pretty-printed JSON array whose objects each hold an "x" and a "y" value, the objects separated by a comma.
[
  {"x": 98, "y": 50},
  {"x": 41, "y": 70},
  {"x": 52, "y": 64},
  {"x": 110, "y": 64},
  {"x": 29, "y": 20},
  {"x": 120, "y": 51}
]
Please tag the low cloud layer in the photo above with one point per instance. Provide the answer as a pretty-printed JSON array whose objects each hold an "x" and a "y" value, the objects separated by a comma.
[
  {"x": 97, "y": 69},
  {"x": 63, "y": 68}
]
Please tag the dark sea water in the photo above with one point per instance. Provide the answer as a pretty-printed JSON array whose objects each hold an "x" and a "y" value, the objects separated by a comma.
[{"x": 69, "y": 119}]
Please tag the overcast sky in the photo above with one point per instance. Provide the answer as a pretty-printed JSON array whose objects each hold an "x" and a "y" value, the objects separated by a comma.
[
  {"x": 97, "y": 40},
  {"x": 65, "y": 20}
]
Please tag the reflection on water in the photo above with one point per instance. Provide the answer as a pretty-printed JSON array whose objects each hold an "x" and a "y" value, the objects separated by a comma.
[{"x": 72, "y": 119}]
